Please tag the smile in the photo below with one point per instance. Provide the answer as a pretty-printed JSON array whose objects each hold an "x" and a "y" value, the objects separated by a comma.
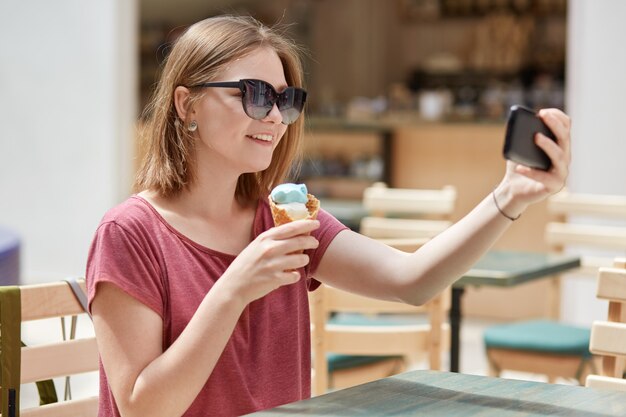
[{"x": 262, "y": 137}]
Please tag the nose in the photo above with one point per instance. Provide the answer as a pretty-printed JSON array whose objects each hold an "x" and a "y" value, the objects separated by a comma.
[{"x": 274, "y": 115}]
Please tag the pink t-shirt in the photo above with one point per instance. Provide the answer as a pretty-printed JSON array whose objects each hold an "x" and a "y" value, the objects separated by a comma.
[{"x": 266, "y": 362}]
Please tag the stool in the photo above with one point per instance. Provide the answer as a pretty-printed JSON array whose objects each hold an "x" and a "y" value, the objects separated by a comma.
[
  {"x": 9, "y": 257},
  {"x": 539, "y": 346}
]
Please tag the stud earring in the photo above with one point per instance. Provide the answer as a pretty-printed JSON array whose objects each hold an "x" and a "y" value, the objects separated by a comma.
[{"x": 192, "y": 126}]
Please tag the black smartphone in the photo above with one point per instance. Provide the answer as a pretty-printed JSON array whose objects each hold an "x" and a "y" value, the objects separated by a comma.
[{"x": 519, "y": 142}]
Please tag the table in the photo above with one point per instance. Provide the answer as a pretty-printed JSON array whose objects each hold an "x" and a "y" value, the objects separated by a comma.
[
  {"x": 436, "y": 393},
  {"x": 502, "y": 269}
]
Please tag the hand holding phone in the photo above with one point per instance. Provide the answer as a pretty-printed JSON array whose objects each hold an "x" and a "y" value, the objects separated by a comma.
[{"x": 519, "y": 143}]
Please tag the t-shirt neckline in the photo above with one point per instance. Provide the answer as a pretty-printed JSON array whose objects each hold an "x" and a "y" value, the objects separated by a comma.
[{"x": 253, "y": 233}]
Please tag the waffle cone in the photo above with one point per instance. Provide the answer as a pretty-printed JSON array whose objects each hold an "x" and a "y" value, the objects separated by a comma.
[{"x": 280, "y": 215}]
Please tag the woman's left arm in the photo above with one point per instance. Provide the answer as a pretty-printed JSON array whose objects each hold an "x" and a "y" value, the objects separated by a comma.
[{"x": 364, "y": 266}]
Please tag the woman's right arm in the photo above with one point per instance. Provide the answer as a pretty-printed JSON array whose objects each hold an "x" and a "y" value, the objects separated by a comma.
[{"x": 147, "y": 381}]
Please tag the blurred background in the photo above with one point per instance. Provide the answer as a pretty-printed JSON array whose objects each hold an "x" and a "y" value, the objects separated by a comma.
[{"x": 412, "y": 92}]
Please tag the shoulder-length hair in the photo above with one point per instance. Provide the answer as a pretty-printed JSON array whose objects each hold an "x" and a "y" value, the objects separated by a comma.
[{"x": 198, "y": 56}]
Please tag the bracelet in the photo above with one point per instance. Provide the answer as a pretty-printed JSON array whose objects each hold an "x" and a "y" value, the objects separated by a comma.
[{"x": 493, "y": 193}]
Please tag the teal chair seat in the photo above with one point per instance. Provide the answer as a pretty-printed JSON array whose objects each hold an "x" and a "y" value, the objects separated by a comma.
[
  {"x": 337, "y": 361},
  {"x": 356, "y": 319},
  {"x": 541, "y": 336}
]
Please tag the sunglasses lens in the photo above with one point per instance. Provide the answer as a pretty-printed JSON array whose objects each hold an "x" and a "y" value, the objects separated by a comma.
[
  {"x": 290, "y": 103},
  {"x": 259, "y": 98}
]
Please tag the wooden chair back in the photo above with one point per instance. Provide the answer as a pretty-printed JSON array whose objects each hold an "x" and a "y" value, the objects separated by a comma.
[
  {"x": 410, "y": 340},
  {"x": 608, "y": 338},
  {"x": 588, "y": 230},
  {"x": 404, "y": 219},
  {"x": 59, "y": 359},
  {"x": 398, "y": 213}
]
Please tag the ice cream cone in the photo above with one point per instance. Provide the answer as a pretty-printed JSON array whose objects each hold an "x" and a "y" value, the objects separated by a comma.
[{"x": 281, "y": 216}]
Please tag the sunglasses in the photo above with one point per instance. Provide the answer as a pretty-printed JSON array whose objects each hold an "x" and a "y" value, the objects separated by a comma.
[{"x": 258, "y": 98}]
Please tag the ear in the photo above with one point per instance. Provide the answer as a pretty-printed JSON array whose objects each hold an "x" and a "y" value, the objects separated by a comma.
[{"x": 181, "y": 101}]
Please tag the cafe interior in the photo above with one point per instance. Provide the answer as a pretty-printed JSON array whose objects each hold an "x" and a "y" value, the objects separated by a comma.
[{"x": 406, "y": 118}]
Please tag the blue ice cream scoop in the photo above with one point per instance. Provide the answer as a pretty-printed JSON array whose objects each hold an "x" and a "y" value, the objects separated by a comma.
[{"x": 289, "y": 193}]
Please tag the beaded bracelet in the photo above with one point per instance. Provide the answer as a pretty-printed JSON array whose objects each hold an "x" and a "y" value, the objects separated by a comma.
[{"x": 493, "y": 193}]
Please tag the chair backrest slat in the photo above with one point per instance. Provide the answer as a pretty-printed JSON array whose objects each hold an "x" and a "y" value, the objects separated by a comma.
[
  {"x": 609, "y": 237},
  {"x": 342, "y": 301},
  {"x": 608, "y": 338},
  {"x": 77, "y": 408},
  {"x": 71, "y": 357},
  {"x": 409, "y": 201},
  {"x": 612, "y": 284},
  {"x": 378, "y": 340},
  {"x": 56, "y": 299},
  {"x": 568, "y": 204},
  {"x": 381, "y": 227}
]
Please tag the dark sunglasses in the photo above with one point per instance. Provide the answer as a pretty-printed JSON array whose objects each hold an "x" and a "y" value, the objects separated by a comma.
[{"x": 258, "y": 98}]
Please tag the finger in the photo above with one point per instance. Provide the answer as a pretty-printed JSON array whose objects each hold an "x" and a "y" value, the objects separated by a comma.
[
  {"x": 551, "y": 148},
  {"x": 299, "y": 243},
  {"x": 294, "y": 244},
  {"x": 557, "y": 155},
  {"x": 292, "y": 261},
  {"x": 559, "y": 123},
  {"x": 295, "y": 228},
  {"x": 557, "y": 116},
  {"x": 288, "y": 278}
]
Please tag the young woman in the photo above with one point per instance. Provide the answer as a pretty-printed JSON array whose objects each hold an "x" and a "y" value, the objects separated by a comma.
[{"x": 199, "y": 303}]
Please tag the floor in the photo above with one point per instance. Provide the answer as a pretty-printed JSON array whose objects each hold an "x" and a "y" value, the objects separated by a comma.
[{"x": 472, "y": 358}]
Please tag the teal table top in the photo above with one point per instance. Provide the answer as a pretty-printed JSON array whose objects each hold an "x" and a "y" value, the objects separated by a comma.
[
  {"x": 508, "y": 268},
  {"x": 439, "y": 394}
]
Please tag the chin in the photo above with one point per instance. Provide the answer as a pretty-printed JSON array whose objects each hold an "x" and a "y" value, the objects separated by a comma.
[{"x": 254, "y": 168}]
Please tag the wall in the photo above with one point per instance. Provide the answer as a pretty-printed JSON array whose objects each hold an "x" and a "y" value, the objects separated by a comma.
[
  {"x": 596, "y": 89},
  {"x": 67, "y": 110}
]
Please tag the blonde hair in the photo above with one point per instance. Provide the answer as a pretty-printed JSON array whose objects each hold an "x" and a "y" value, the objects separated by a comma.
[{"x": 198, "y": 56}]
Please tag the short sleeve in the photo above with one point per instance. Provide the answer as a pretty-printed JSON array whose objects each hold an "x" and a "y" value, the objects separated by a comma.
[
  {"x": 329, "y": 228},
  {"x": 123, "y": 259}
]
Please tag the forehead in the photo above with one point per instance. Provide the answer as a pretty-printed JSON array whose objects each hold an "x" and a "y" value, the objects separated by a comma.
[{"x": 262, "y": 64}]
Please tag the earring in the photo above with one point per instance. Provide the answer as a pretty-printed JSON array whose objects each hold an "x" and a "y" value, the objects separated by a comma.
[{"x": 192, "y": 126}]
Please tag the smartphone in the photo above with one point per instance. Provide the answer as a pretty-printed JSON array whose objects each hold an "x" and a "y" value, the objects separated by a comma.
[{"x": 519, "y": 143}]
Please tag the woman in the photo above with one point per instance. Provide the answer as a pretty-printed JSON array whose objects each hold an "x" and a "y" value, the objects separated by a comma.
[{"x": 199, "y": 304}]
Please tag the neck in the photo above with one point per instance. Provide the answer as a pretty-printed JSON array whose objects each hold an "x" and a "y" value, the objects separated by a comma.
[{"x": 210, "y": 197}]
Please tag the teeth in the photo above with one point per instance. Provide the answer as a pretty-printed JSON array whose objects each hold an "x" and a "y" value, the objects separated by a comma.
[{"x": 267, "y": 138}]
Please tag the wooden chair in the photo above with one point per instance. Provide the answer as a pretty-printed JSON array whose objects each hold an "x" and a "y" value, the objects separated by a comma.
[
  {"x": 608, "y": 338},
  {"x": 551, "y": 347},
  {"x": 361, "y": 348},
  {"x": 375, "y": 346},
  {"x": 29, "y": 364}
]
